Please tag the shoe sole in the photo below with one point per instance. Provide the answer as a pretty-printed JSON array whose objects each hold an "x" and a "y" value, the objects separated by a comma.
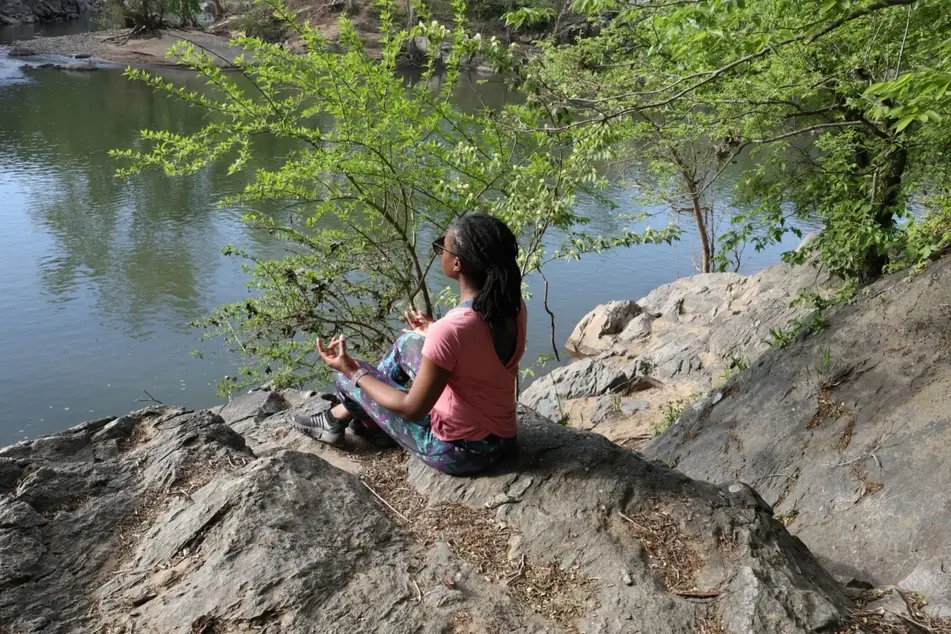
[{"x": 320, "y": 435}]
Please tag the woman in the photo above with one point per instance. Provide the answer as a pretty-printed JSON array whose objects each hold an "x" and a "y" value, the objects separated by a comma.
[{"x": 458, "y": 414}]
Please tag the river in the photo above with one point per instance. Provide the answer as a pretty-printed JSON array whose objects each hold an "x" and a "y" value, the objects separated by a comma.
[{"x": 101, "y": 276}]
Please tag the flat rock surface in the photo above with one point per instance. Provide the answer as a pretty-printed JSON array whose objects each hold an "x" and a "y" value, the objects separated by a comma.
[
  {"x": 845, "y": 432},
  {"x": 170, "y": 521},
  {"x": 672, "y": 345},
  {"x": 116, "y": 47}
]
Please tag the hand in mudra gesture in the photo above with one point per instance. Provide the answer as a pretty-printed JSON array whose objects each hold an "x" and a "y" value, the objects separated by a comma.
[
  {"x": 335, "y": 355},
  {"x": 418, "y": 322}
]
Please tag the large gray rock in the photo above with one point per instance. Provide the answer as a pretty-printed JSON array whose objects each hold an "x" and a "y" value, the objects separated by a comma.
[
  {"x": 17, "y": 11},
  {"x": 588, "y": 377},
  {"x": 165, "y": 521},
  {"x": 588, "y": 508},
  {"x": 82, "y": 496},
  {"x": 846, "y": 432},
  {"x": 685, "y": 335},
  {"x": 593, "y": 334}
]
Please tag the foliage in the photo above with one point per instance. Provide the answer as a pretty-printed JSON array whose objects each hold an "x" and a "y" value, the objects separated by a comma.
[
  {"x": 839, "y": 105},
  {"x": 671, "y": 412},
  {"x": 780, "y": 337},
  {"x": 259, "y": 21},
  {"x": 375, "y": 167},
  {"x": 736, "y": 365},
  {"x": 924, "y": 238},
  {"x": 540, "y": 363},
  {"x": 150, "y": 15}
]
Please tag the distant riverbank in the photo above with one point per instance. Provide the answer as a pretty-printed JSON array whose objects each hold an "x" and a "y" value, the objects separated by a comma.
[{"x": 116, "y": 47}]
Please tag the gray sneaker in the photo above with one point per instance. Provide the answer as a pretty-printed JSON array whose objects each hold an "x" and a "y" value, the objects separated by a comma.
[{"x": 321, "y": 427}]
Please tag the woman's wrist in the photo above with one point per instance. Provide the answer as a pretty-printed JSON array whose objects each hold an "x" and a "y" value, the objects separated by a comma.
[
  {"x": 351, "y": 370},
  {"x": 359, "y": 374}
]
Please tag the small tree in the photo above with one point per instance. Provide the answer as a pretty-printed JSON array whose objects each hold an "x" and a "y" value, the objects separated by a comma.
[
  {"x": 379, "y": 168},
  {"x": 148, "y": 16},
  {"x": 842, "y": 104}
]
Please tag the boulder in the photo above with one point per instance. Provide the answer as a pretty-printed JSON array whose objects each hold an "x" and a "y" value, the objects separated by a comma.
[
  {"x": 687, "y": 335},
  {"x": 166, "y": 521},
  {"x": 634, "y": 546},
  {"x": 845, "y": 432},
  {"x": 594, "y": 333},
  {"x": 588, "y": 377},
  {"x": 607, "y": 407},
  {"x": 637, "y": 328},
  {"x": 25, "y": 11},
  {"x": 80, "y": 66},
  {"x": 21, "y": 50}
]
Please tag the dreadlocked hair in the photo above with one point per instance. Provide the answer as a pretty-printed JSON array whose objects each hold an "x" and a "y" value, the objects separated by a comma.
[{"x": 489, "y": 251}]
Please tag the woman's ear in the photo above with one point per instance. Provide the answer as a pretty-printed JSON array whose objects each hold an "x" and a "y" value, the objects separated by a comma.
[{"x": 456, "y": 265}]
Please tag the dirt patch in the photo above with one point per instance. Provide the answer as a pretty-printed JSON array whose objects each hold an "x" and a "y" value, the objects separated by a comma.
[
  {"x": 790, "y": 481},
  {"x": 670, "y": 553},
  {"x": 881, "y": 621},
  {"x": 461, "y": 623},
  {"x": 712, "y": 624},
  {"x": 828, "y": 409},
  {"x": 846, "y": 439},
  {"x": 869, "y": 486},
  {"x": 479, "y": 539}
]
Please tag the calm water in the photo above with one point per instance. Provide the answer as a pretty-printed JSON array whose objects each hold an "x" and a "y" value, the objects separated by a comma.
[{"x": 100, "y": 277}]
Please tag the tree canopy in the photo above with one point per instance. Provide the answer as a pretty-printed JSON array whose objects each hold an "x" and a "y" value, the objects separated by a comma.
[{"x": 841, "y": 103}]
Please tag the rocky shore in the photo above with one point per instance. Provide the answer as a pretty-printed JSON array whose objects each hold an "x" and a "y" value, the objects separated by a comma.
[
  {"x": 115, "y": 47},
  {"x": 27, "y": 11},
  {"x": 640, "y": 360},
  {"x": 802, "y": 494},
  {"x": 168, "y": 521}
]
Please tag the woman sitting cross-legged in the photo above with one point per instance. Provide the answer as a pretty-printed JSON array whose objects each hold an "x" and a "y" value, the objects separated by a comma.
[{"x": 446, "y": 390}]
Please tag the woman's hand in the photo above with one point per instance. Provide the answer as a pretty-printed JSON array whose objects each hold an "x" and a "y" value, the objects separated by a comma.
[
  {"x": 418, "y": 322},
  {"x": 336, "y": 356}
]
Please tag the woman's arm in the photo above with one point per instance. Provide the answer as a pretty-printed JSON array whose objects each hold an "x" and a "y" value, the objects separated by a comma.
[
  {"x": 430, "y": 381},
  {"x": 415, "y": 404}
]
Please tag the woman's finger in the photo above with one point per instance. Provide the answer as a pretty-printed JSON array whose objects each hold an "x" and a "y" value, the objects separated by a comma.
[{"x": 321, "y": 351}]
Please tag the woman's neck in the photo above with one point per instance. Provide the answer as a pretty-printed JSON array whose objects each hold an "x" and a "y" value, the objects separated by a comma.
[{"x": 467, "y": 292}]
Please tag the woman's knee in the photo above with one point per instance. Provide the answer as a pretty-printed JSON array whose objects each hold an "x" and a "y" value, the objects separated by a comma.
[
  {"x": 410, "y": 341},
  {"x": 409, "y": 348}
]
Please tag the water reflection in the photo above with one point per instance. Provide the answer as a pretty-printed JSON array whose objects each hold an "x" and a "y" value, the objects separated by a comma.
[
  {"x": 86, "y": 22},
  {"x": 102, "y": 275}
]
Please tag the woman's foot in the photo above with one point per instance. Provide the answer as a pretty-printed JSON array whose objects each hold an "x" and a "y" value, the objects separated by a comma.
[
  {"x": 323, "y": 426},
  {"x": 372, "y": 434}
]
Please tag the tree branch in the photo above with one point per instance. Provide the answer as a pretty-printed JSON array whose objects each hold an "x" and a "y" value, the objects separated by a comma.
[{"x": 712, "y": 75}]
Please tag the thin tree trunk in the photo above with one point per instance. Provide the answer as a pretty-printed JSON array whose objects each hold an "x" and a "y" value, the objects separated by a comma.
[
  {"x": 706, "y": 251},
  {"x": 887, "y": 195}
]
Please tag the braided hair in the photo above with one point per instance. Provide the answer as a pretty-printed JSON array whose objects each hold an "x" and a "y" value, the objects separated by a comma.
[{"x": 488, "y": 250}]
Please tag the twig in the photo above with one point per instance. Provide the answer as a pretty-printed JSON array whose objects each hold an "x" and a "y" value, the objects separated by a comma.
[
  {"x": 518, "y": 573},
  {"x": 419, "y": 593},
  {"x": 696, "y": 594},
  {"x": 865, "y": 456},
  {"x": 643, "y": 528},
  {"x": 150, "y": 399},
  {"x": 551, "y": 316},
  {"x": 387, "y": 504},
  {"x": 904, "y": 39},
  {"x": 236, "y": 338}
]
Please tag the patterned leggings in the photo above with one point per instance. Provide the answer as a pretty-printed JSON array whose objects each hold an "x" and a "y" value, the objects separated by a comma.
[{"x": 398, "y": 368}]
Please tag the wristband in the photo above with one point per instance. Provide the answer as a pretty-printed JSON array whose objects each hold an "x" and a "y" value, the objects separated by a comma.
[{"x": 359, "y": 374}]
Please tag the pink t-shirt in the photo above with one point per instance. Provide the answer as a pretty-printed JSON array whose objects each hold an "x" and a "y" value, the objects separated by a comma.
[{"x": 480, "y": 397}]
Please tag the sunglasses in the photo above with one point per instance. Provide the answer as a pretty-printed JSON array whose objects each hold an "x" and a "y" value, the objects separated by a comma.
[{"x": 439, "y": 245}]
